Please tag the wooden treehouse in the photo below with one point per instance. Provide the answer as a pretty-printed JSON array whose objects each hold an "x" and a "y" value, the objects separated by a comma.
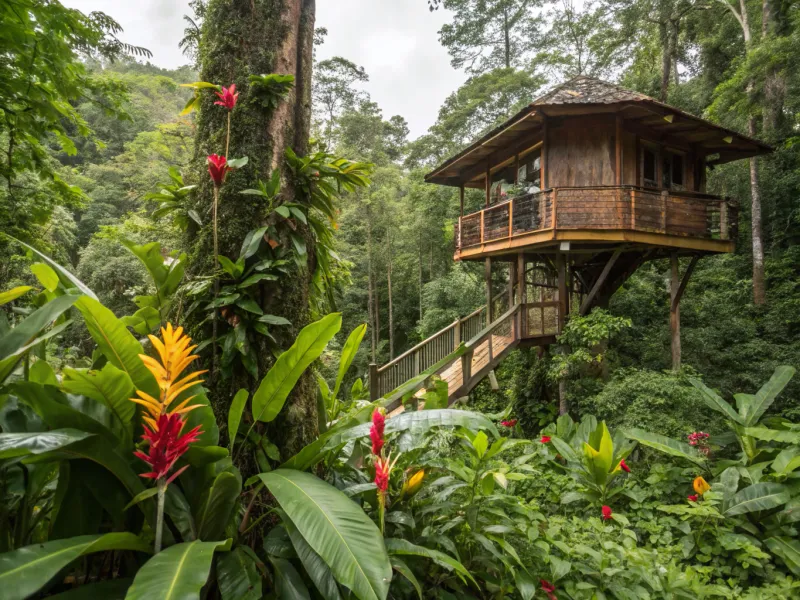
[{"x": 582, "y": 186}]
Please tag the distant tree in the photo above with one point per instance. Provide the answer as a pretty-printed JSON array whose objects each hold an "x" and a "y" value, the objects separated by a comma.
[
  {"x": 489, "y": 34},
  {"x": 190, "y": 42},
  {"x": 334, "y": 91}
]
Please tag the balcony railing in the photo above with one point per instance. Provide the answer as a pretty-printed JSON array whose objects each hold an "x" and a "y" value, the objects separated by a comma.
[{"x": 686, "y": 214}]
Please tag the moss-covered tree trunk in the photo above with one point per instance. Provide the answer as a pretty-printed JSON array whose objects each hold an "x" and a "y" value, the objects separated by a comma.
[{"x": 240, "y": 38}]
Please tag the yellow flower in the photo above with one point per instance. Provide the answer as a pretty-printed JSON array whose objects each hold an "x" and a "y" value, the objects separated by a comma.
[
  {"x": 175, "y": 354},
  {"x": 701, "y": 485},
  {"x": 413, "y": 484}
]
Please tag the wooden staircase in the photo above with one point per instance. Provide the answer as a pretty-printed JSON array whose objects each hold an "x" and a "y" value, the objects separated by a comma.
[{"x": 462, "y": 354}]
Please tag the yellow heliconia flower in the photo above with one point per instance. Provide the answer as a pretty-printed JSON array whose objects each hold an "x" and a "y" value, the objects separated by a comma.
[
  {"x": 700, "y": 485},
  {"x": 413, "y": 484},
  {"x": 175, "y": 354}
]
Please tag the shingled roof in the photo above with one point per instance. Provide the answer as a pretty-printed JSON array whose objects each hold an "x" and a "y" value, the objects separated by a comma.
[{"x": 568, "y": 97}]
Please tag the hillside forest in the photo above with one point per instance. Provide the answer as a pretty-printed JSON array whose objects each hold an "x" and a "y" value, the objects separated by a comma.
[{"x": 201, "y": 267}]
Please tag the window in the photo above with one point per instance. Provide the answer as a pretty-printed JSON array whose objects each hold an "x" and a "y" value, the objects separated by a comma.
[
  {"x": 649, "y": 174},
  {"x": 673, "y": 175},
  {"x": 530, "y": 172},
  {"x": 502, "y": 181}
]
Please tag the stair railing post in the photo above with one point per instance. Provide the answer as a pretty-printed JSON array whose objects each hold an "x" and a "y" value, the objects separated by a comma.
[
  {"x": 457, "y": 334},
  {"x": 466, "y": 368},
  {"x": 373, "y": 382}
]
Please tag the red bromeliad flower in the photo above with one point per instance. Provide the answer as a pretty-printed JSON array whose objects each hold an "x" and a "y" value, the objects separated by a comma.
[
  {"x": 376, "y": 431},
  {"x": 606, "y": 510},
  {"x": 624, "y": 466},
  {"x": 382, "y": 468},
  {"x": 545, "y": 439},
  {"x": 509, "y": 423},
  {"x": 548, "y": 588},
  {"x": 167, "y": 445},
  {"x": 693, "y": 498},
  {"x": 227, "y": 97},
  {"x": 217, "y": 167}
]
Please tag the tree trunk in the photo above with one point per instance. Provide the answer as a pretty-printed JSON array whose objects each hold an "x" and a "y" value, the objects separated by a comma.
[
  {"x": 507, "y": 38},
  {"x": 675, "y": 32},
  {"x": 420, "y": 278},
  {"x": 370, "y": 294},
  {"x": 391, "y": 308},
  {"x": 666, "y": 59},
  {"x": 240, "y": 38},
  {"x": 775, "y": 80},
  {"x": 563, "y": 403},
  {"x": 759, "y": 289}
]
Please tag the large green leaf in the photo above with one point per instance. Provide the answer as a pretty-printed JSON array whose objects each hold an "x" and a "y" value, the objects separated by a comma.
[
  {"x": 289, "y": 585},
  {"x": 773, "y": 435},
  {"x": 113, "y": 589},
  {"x": 20, "y": 444},
  {"x": 767, "y": 394},
  {"x": 60, "y": 411},
  {"x": 218, "y": 507},
  {"x": 177, "y": 573},
  {"x": 23, "y": 334},
  {"x": 111, "y": 386},
  {"x": 337, "y": 529},
  {"x": 63, "y": 274},
  {"x": 715, "y": 402},
  {"x": 238, "y": 576},
  {"x": 789, "y": 551},
  {"x": 665, "y": 444},
  {"x": 397, "y": 546},
  {"x": 117, "y": 343},
  {"x": 759, "y": 496},
  {"x": 599, "y": 453},
  {"x": 315, "y": 567},
  {"x": 787, "y": 460},
  {"x": 348, "y": 354},
  {"x": 235, "y": 414},
  {"x": 46, "y": 276},
  {"x": 282, "y": 377},
  {"x": 26, "y": 570},
  {"x": 401, "y": 567}
]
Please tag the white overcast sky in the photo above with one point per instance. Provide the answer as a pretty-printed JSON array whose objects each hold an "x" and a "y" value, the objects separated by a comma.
[{"x": 396, "y": 41}]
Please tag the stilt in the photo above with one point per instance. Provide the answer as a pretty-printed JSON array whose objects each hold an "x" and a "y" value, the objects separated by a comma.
[
  {"x": 677, "y": 287},
  {"x": 563, "y": 309},
  {"x": 522, "y": 295},
  {"x": 487, "y": 274}
]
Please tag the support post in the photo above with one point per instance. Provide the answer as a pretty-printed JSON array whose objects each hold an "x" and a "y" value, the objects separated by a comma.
[
  {"x": 618, "y": 148},
  {"x": 466, "y": 369},
  {"x": 487, "y": 274},
  {"x": 373, "y": 382},
  {"x": 461, "y": 199},
  {"x": 677, "y": 287},
  {"x": 587, "y": 302},
  {"x": 522, "y": 295},
  {"x": 512, "y": 275},
  {"x": 457, "y": 334},
  {"x": 488, "y": 181},
  {"x": 561, "y": 269}
]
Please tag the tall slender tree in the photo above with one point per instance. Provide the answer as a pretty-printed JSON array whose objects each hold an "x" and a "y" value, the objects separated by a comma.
[{"x": 241, "y": 38}]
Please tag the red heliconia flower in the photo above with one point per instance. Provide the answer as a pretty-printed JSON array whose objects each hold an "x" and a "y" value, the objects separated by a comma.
[
  {"x": 167, "y": 445},
  {"x": 382, "y": 469},
  {"x": 606, "y": 510},
  {"x": 376, "y": 431},
  {"x": 545, "y": 439},
  {"x": 509, "y": 423},
  {"x": 692, "y": 498},
  {"x": 548, "y": 588},
  {"x": 624, "y": 466},
  {"x": 217, "y": 167},
  {"x": 227, "y": 97}
]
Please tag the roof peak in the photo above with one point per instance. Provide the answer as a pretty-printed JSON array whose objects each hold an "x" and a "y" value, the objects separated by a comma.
[{"x": 584, "y": 89}]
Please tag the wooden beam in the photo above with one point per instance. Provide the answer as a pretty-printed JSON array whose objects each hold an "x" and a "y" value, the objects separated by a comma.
[
  {"x": 488, "y": 181},
  {"x": 461, "y": 198},
  {"x": 587, "y": 302},
  {"x": 684, "y": 280},
  {"x": 543, "y": 178},
  {"x": 618, "y": 154},
  {"x": 677, "y": 287}
]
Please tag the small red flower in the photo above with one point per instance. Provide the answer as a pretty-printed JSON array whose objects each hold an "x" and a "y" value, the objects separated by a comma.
[
  {"x": 548, "y": 588},
  {"x": 606, "y": 510},
  {"x": 382, "y": 474},
  {"x": 545, "y": 439},
  {"x": 692, "y": 498},
  {"x": 624, "y": 466},
  {"x": 227, "y": 97},
  {"x": 509, "y": 423},
  {"x": 376, "y": 431},
  {"x": 166, "y": 445},
  {"x": 217, "y": 167}
]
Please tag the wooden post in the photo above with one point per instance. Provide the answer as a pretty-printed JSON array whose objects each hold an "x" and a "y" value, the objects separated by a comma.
[
  {"x": 487, "y": 274},
  {"x": 374, "y": 394},
  {"x": 543, "y": 178},
  {"x": 618, "y": 157},
  {"x": 461, "y": 198},
  {"x": 512, "y": 272},
  {"x": 457, "y": 334},
  {"x": 561, "y": 268},
  {"x": 664, "y": 199},
  {"x": 466, "y": 368},
  {"x": 516, "y": 169},
  {"x": 674, "y": 313},
  {"x": 723, "y": 220},
  {"x": 554, "y": 223},
  {"x": 488, "y": 181},
  {"x": 677, "y": 287},
  {"x": 522, "y": 294}
]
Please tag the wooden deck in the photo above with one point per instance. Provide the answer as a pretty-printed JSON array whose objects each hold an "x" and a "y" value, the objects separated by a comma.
[{"x": 685, "y": 220}]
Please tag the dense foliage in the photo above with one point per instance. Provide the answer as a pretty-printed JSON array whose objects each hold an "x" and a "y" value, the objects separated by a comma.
[{"x": 136, "y": 462}]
